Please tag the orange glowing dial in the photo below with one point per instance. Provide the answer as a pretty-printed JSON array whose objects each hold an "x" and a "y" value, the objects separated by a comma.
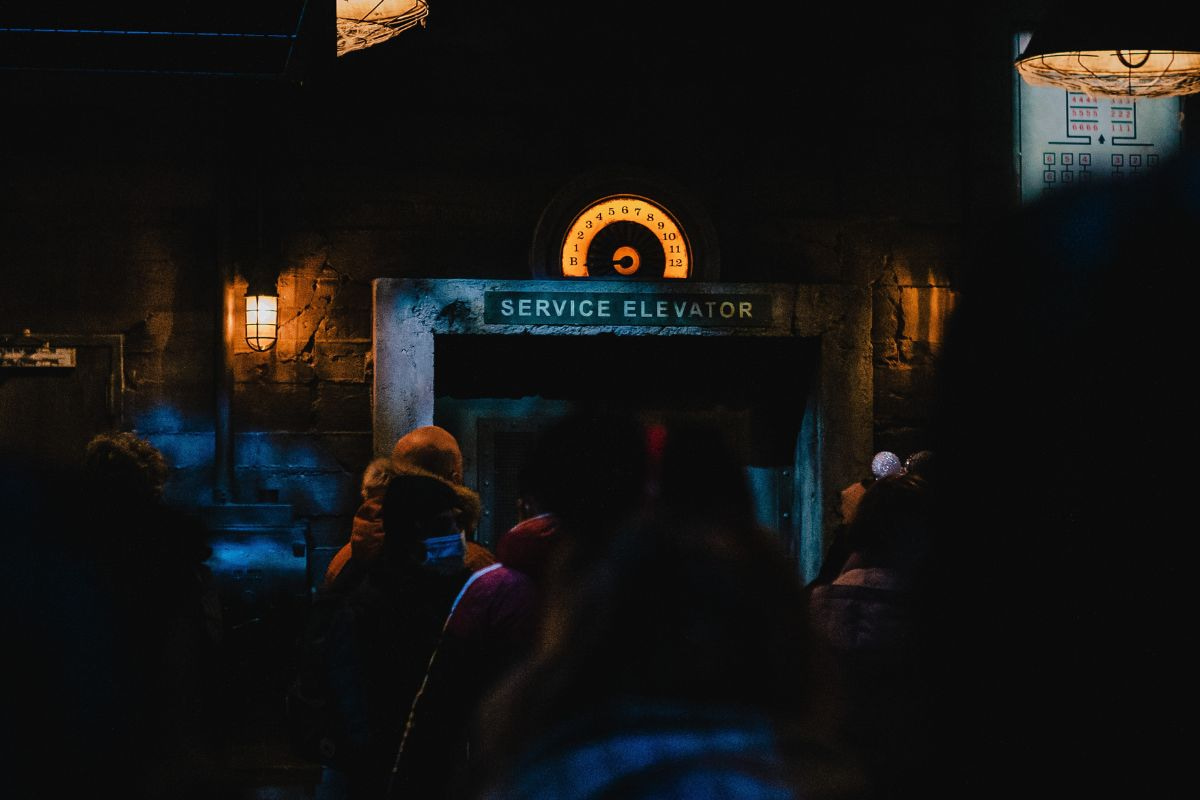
[{"x": 626, "y": 236}]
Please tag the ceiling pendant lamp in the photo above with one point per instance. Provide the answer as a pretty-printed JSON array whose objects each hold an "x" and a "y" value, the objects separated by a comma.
[
  {"x": 365, "y": 23},
  {"x": 1104, "y": 54}
]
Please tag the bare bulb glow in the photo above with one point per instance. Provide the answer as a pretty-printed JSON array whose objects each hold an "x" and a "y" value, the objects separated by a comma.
[{"x": 262, "y": 321}]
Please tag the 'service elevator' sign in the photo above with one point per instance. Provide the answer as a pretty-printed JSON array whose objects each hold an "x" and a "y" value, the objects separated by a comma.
[{"x": 626, "y": 308}]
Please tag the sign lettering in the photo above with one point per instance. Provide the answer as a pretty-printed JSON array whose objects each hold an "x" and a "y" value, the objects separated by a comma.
[{"x": 626, "y": 308}]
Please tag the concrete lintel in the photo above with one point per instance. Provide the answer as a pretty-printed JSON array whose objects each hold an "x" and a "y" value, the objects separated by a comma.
[{"x": 410, "y": 313}]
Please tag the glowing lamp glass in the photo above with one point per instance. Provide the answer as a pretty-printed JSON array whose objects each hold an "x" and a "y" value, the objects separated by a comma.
[
  {"x": 366, "y": 23},
  {"x": 262, "y": 320},
  {"x": 1125, "y": 73}
]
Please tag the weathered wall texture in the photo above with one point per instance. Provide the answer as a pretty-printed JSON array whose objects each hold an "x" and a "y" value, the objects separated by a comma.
[{"x": 435, "y": 159}]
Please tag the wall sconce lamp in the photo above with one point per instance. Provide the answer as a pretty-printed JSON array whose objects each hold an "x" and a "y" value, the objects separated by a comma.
[
  {"x": 1076, "y": 51},
  {"x": 262, "y": 316},
  {"x": 262, "y": 273}
]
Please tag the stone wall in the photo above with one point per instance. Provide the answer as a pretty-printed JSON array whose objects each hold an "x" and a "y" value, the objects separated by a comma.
[{"x": 435, "y": 159}]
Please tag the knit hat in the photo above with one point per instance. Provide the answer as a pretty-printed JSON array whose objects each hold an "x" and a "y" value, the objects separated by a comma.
[
  {"x": 433, "y": 452},
  {"x": 429, "y": 449}
]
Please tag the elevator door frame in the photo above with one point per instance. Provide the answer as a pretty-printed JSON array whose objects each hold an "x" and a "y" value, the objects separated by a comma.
[{"x": 835, "y": 438}]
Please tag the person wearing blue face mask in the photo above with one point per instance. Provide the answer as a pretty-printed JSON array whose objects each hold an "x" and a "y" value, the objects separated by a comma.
[
  {"x": 430, "y": 451},
  {"x": 387, "y": 628}
]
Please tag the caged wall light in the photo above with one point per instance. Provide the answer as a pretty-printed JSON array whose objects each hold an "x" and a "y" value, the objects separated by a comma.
[
  {"x": 262, "y": 318},
  {"x": 261, "y": 268}
]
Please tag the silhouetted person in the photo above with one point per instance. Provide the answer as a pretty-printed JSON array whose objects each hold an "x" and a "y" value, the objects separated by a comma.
[
  {"x": 431, "y": 451},
  {"x": 674, "y": 658},
  {"x": 1063, "y": 597},
  {"x": 884, "y": 463},
  {"x": 161, "y": 612},
  {"x": 868, "y": 617},
  {"x": 69, "y": 698},
  {"x": 491, "y": 630},
  {"x": 427, "y": 452},
  {"x": 383, "y": 635}
]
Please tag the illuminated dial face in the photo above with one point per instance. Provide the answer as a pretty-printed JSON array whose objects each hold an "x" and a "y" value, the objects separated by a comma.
[{"x": 626, "y": 236}]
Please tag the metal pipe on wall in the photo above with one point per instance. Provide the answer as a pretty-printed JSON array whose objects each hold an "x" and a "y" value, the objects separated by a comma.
[{"x": 223, "y": 451}]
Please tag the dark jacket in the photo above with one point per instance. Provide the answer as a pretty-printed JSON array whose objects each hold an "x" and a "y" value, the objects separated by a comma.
[
  {"x": 492, "y": 628},
  {"x": 380, "y": 643},
  {"x": 868, "y": 620}
]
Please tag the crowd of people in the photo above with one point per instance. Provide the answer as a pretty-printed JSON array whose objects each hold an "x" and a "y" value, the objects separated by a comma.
[
  {"x": 636, "y": 634},
  {"x": 114, "y": 665},
  {"x": 998, "y": 616},
  {"x": 987, "y": 621}
]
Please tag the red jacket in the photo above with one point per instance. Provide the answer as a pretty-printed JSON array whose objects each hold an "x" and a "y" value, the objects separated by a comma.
[
  {"x": 491, "y": 629},
  {"x": 528, "y": 545}
]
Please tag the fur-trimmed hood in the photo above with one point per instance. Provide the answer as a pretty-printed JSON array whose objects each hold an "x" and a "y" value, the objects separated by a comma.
[
  {"x": 429, "y": 451},
  {"x": 366, "y": 532}
]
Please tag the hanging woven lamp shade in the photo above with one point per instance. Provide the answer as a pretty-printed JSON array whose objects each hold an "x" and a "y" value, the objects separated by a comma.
[
  {"x": 366, "y": 23},
  {"x": 1070, "y": 51}
]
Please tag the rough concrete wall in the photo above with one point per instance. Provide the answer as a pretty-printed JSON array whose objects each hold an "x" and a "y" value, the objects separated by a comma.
[
  {"x": 911, "y": 298},
  {"x": 310, "y": 396},
  {"x": 116, "y": 231},
  {"x": 124, "y": 239}
]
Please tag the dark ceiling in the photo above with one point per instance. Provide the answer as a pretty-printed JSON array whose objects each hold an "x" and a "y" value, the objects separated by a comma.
[{"x": 264, "y": 38}]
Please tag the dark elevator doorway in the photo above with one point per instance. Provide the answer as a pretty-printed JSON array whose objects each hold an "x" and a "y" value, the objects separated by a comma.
[{"x": 495, "y": 393}]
